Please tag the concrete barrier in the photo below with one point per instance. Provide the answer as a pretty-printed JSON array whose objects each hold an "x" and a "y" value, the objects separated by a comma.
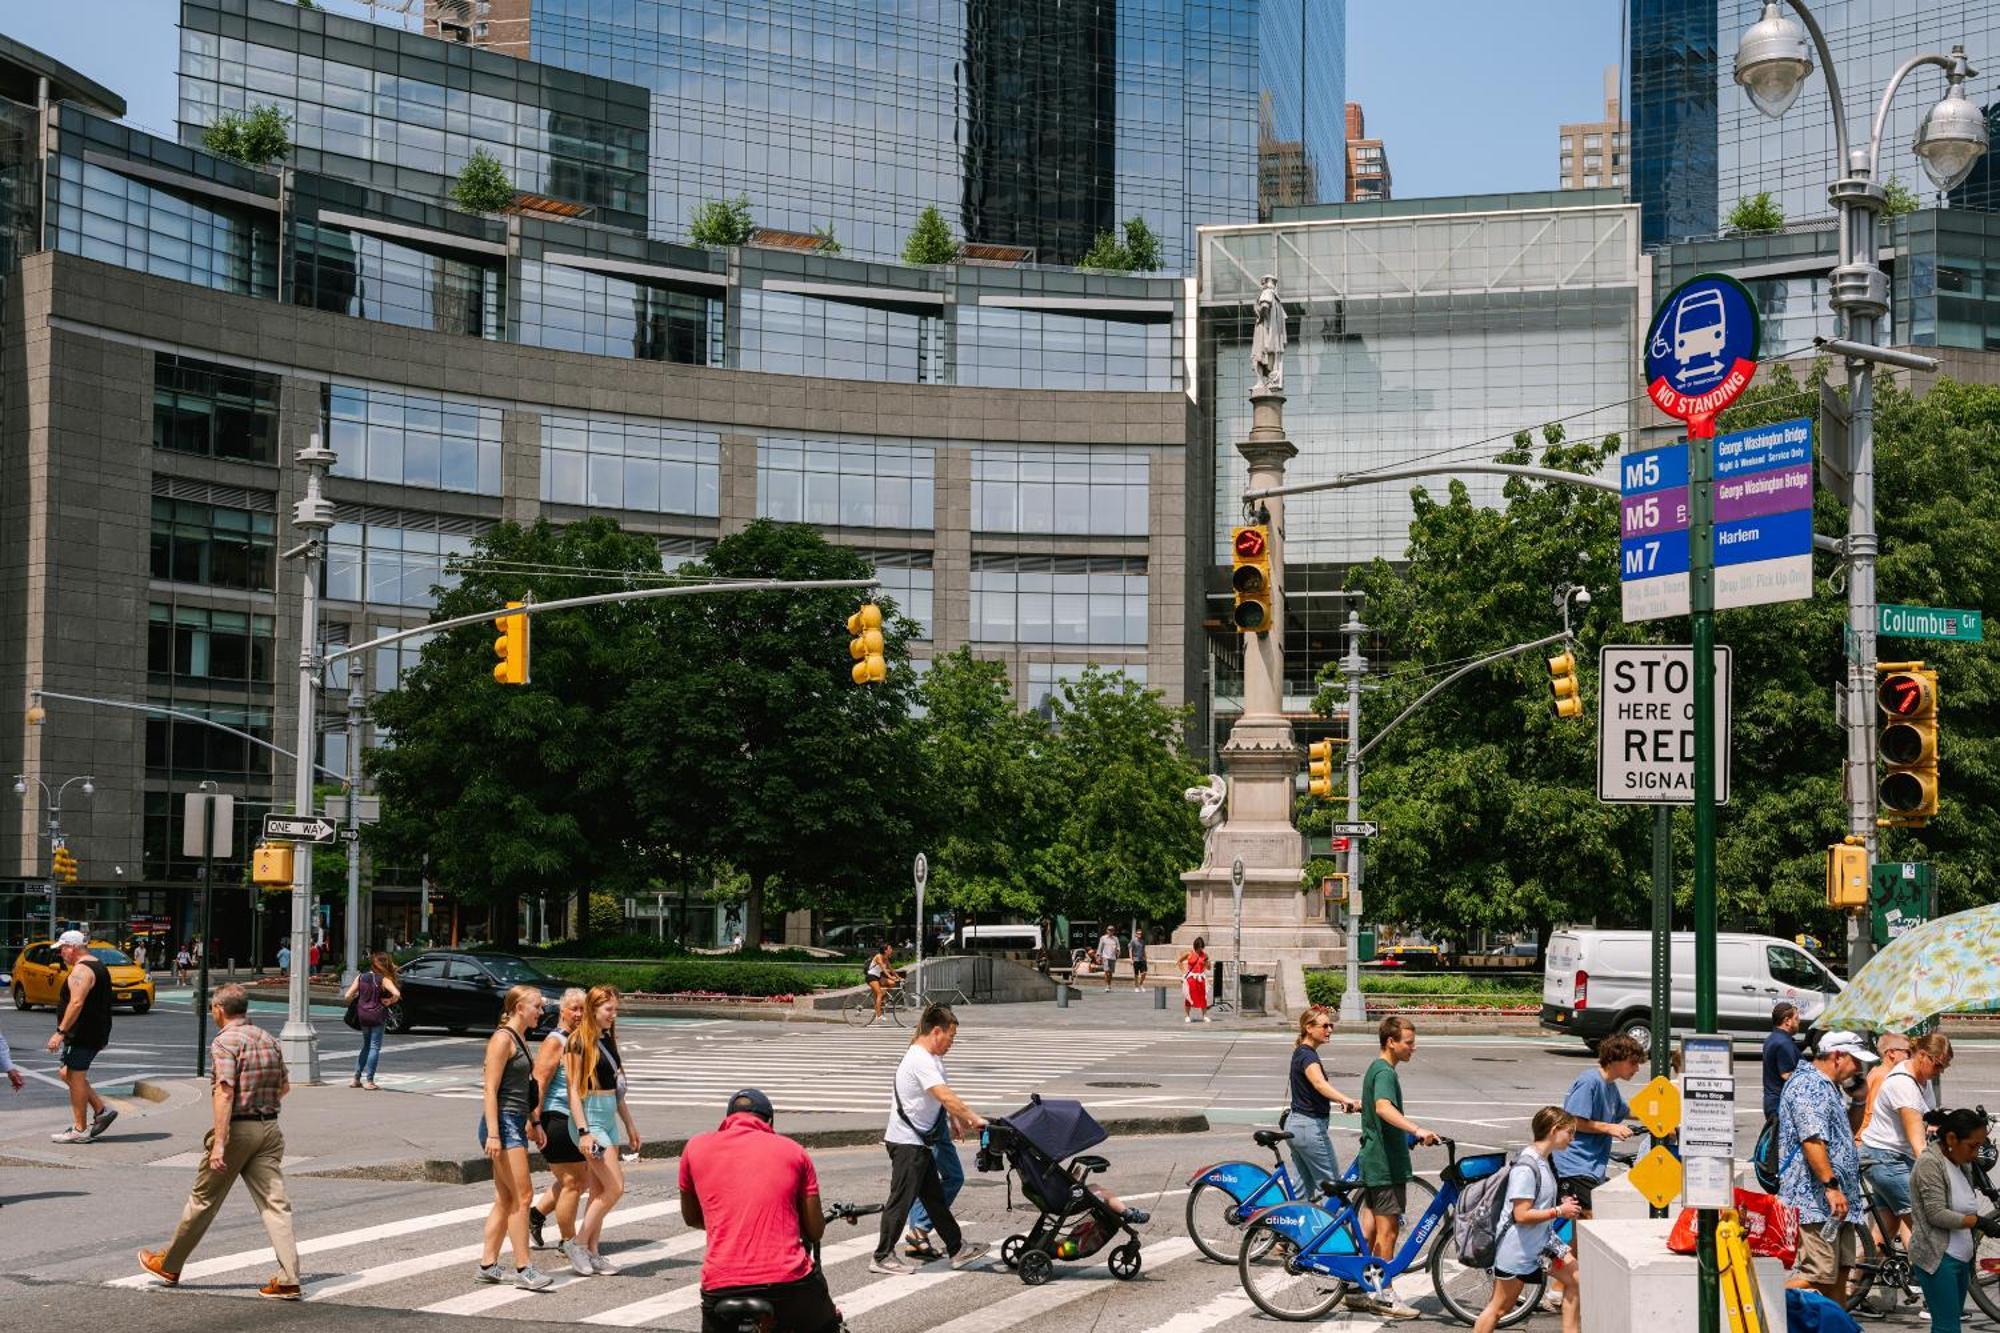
[{"x": 1631, "y": 1280}]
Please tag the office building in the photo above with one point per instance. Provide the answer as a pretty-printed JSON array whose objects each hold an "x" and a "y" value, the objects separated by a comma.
[
  {"x": 1032, "y": 124},
  {"x": 1367, "y": 161},
  {"x": 1593, "y": 153},
  {"x": 1008, "y": 444},
  {"x": 1674, "y": 67}
]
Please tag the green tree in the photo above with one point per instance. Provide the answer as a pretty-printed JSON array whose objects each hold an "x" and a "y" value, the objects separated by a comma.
[
  {"x": 990, "y": 793},
  {"x": 482, "y": 185},
  {"x": 930, "y": 241},
  {"x": 718, "y": 223},
  {"x": 1135, "y": 248},
  {"x": 1142, "y": 245},
  {"x": 1107, "y": 254},
  {"x": 751, "y": 746},
  {"x": 503, "y": 792},
  {"x": 1757, "y": 214},
  {"x": 256, "y": 138},
  {"x": 1899, "y": 198},
  {"x": 828, "y": 243},
  {"x": 1118, "y": 833}
]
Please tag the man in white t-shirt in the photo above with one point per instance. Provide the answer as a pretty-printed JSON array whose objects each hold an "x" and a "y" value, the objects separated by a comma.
[
  {"x": 920, "y": 1096},
  {"x": 1894, "y": 1136},
  {"x": 1107, "y": 952}
]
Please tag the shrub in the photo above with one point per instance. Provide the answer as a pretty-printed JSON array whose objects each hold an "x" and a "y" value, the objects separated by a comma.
[
  {"x": 1450, "y": 990},
  {"x": 828, "y": 245},
  {"x": 722, "y": 222},
  {"x": 256, "y": 139},
  {"x": 1107, "y": 254},
  {"x": 1899, "y": 198},
  {"x": 1757, "y": 214},
  {"x": 716, "y": 975},
  {"x": 930, "y": 241},
  {"x": 482, "y": 185},
  {"x": 1142, "y": 245},
  {"x": 1135, "y": 248}
]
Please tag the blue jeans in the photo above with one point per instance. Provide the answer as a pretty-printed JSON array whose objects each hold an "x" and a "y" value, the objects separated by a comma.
[
  {"x": 1312, "y": 1154},
  {"x": 370, "y": 1053},
  {"x": 950, "y": 1170},
  {"x": 1888, "y": 1177},
  {"x": 1944, "y": 1292}
]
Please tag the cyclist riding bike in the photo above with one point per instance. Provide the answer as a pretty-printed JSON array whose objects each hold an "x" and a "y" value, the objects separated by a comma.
[
  {"x": 756, "y": 1194},
  {"x": 882, "y": 975}
]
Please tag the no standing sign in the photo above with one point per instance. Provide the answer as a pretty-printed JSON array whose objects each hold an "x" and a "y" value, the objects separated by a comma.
[{"x": 1645, "y": 725}]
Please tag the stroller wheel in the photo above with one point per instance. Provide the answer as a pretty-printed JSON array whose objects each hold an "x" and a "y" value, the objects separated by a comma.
[
  {"x": 1125, "y": 1261},
  {"x": 1010, "y": 1250},
  {"x": 1036, "y": 1267}
]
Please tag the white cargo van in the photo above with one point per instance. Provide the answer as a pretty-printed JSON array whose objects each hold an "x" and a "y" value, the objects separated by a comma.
[
  {"x": 1009, "y": 941},
  {"x": 1597, "y": 982}
]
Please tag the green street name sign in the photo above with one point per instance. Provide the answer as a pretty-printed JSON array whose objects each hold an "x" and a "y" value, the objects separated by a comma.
[{"x": 1925, "y": 622}]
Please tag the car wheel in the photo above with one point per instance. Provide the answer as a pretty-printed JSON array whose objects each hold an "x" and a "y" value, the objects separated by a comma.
[
  {"x": 21, "y": 999},
  {"x": 141, "y": 1005},
  {"x": 1638, "y": 1025}
]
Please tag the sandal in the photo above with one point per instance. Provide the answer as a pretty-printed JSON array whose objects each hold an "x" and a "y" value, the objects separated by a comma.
[
  {"x": 917, "y": 1245},
  {"x": 371, "y": 1086}
]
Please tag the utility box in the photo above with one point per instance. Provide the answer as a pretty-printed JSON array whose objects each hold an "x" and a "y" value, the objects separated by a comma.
[
  {"x": 271, "y": 865},
  {"x": 1846, "y": 876}
]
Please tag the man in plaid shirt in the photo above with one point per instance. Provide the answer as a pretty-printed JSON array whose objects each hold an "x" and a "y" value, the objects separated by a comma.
[{"x": 247, "y": 1075}]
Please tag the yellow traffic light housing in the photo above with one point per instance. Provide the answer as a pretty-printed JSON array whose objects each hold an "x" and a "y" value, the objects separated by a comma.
[
  {"x": 62, "y": 865},
  {"x": 1907, "y": 694},
  {"x": 1250, "y": 577},
  {"x": 1319, "y": 769},
  {"x": 1563, "y": 686},
  {"x": 271, "y": 865},
  {"x": 511, "y": 648},
  {"x": 868, "y": 649},
  {"x": 1847, "y": 874}
]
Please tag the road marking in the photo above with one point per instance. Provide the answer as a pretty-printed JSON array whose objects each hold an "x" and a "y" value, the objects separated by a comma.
[
  {"x": 406, "y": 1226},
  {"x": 1226, "y": 1306},
  {"x": 688, "y": 1296},
  {"x": 492, "y": 1298},
  {"x": 1005, "y": 1314}
]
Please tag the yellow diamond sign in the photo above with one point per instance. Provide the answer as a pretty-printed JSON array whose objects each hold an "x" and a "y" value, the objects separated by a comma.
[
  {"x": 1658, "y": 1107},
  {"x": 1657, "y": 1177}
]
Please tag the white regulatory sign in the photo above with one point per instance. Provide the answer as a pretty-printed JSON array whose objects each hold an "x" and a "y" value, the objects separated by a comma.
[
  {"x": 1708, "y": 1117},
  {"x": 1645, "y": 725}
]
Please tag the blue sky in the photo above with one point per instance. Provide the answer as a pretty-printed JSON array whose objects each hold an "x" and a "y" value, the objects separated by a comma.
[{"x": 1467, "y": 94}]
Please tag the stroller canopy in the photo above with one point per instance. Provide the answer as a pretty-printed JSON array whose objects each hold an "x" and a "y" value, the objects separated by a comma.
[{"x": 1057, "y": 1126}]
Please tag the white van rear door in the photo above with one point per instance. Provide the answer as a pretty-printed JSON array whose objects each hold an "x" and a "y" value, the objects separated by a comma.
[{"x": 1559, "y": 971}]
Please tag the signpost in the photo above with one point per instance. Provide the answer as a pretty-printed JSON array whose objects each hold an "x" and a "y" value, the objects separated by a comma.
[
  {"x": 1645, "y": 725},
  {"x": 208, "y": 830},
  {"x": 1360, "y": 829},
  {"x": 1924, "y": 622},
  {"x": 1236, "y": 969},
  {"x": 921, "y": 874},
  {"x": 300, "y": 828}
]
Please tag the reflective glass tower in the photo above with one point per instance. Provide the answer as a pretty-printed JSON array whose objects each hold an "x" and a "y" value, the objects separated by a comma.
[{"x": 1674, "y": 68}]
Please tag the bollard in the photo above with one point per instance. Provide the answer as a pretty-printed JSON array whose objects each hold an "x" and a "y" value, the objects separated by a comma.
[
  {"x": 1062, "y": 995},
  {"x": 1159, "y": 997},
  {"x": 232, "y": 969}
]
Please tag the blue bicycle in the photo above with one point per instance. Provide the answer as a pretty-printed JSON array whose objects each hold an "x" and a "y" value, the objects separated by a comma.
[
  {"x": 1223, "y": 1197},
  {"x": 1297, "y": 1259}
]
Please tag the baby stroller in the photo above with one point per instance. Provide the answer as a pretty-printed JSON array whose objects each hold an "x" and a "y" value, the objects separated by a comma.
[{"x": 1074, "y": 1223}]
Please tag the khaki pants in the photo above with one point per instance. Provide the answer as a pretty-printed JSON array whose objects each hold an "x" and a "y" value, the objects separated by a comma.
[{"x": 256, "y": 1151}]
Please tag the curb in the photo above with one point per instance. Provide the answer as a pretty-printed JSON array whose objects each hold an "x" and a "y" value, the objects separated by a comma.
[
  {"x": 147, "y": 1090},
  {"x": 476, "y": 1170}
]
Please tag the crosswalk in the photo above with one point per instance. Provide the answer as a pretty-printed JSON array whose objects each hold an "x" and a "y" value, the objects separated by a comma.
[{"x": 843, "y": 1069}]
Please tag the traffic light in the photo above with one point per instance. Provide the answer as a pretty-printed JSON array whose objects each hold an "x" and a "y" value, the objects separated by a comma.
[
  {"x": 870, "y": 666},
  {"x": 1847, "y": 874},
  {"x": 271, "y": 865},
  {"x": 62, "y": 865},
  {"x": 1563, "y": 686},
  {"x": 511, "y": 648},
  {"x": 1319, "y": 769},
  {"x": 1250, "y": 549},
  {"x": 1908, "y": 697}
]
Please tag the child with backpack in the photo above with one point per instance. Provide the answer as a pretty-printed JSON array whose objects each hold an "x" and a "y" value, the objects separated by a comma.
[{"x": 1531, "y": 1209}]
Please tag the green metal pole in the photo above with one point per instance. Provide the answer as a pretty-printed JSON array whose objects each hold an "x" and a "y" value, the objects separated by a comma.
[
  {"x": 1663, "y": 942},
  {"x": 1701, "y": 595}
]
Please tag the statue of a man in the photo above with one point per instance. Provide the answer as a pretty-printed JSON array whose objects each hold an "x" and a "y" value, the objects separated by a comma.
[
  {"x": 1267, "y": 346},
  {"x": 1212, "y": 796}
]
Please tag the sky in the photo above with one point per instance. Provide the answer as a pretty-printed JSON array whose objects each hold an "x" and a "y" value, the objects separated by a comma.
[{"x": 1474, "y": 113}]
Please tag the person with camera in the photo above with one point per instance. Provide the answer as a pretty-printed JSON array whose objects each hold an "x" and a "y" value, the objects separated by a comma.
[
  {"x": 1943, "y": 1222},
  {"x": 755, "y": 1193}
]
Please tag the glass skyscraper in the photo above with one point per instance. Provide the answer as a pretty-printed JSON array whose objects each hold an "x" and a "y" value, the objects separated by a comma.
[
  {"x": 1031, "y": 124},
  {"x": 1672, "y": 103}
]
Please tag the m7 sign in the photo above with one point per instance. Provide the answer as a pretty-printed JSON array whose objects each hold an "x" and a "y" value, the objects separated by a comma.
[{"x": 1645, "y": 725}]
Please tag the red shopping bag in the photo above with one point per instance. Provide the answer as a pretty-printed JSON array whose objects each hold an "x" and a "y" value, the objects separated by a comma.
[{"x": 1770, "y": 1227}]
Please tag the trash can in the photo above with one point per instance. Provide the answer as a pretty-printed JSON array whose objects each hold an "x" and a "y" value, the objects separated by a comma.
[
  {"x": 1251, "y": 986},
  {"x": 1366, "y": 942}
]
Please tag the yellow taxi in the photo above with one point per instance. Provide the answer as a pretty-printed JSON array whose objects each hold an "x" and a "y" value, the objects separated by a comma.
[{"x": 39, "y": 974}]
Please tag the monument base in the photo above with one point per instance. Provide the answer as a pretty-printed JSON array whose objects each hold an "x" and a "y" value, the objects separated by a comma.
[{"x": 1280, "y": 923}]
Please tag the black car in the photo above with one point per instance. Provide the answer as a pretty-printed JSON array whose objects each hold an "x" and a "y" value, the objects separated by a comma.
[{"x": 461, "y": 992}]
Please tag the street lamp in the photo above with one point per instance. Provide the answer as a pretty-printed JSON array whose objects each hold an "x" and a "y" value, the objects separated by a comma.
[
  {"x": 1773, "y": 61},
  {"x": 53, "y": 800}
]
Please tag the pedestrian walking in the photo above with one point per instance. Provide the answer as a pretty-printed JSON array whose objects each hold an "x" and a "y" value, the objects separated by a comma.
[
  {"x": 1194, "y": 982},
  {"x": 247, "y": 1085},
  {"x": 83, "y": 1028},
  {"x": 139, "y": 955},
  {"x": 1946, "y": 1217},
  {"x": 1527, "y": 1241},
  {"x": 371, "y": 993},
  {"x": 918, "y": 1100},
  {"x": 182, "y": 962},
  {"x": 1599, "y": 1109},
  {"x": 1313, "y": 1100},
  {"x": 1138, "y": 959},
  {"x": 599, "y": 1117},
  {"x": 919, "y": 1243},
  {"x": 559, "y": 1148},
  {"x": 1819, "y": 1171},
  {"x": 1385, "y": 1158},
  {"x": 1107, "y": 953},
  {"x": 285, "y": 959},
  {"x": 1781, "y": 1054},
  {"x": 312, "y": 960},
  {"x": 509, "y": 1123}
]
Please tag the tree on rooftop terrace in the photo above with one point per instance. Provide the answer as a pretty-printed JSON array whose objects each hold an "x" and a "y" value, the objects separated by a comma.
[
  {"x": 718, "y": 223},
  {"x": 482, "y": 185},
  {"x": 255, "y": 138},
  {"x": 930, "y": 241}
]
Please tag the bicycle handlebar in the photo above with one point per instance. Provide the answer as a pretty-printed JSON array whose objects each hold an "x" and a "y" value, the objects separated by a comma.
[{"x": 851, "y": 1213}]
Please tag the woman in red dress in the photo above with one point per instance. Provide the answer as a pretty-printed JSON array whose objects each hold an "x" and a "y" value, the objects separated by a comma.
[{"x": 1194, "y": 981}]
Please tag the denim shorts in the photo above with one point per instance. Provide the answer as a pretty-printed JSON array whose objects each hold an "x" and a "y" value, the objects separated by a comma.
[
  {"x": 1888, "y": 1177},
  {"x": 513, "y": 1130}
]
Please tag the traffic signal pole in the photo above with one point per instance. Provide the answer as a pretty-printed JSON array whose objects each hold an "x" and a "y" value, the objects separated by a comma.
[
  {"x": 1701, "y": 604},
  {"x": 1352, "y": 1008}
]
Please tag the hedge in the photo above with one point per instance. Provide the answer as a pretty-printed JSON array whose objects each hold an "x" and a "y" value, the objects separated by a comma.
[
  {"x": 709, "y": 975},
  {"x": 651, "y": 946},
  {"x": 1446, "y": 990}
]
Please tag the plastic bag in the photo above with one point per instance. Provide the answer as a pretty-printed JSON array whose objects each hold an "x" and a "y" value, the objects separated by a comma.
[{"x": 1770, "y": 1227}]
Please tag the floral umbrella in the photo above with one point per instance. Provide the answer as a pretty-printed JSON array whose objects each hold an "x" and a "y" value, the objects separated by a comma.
[{"x": 1947, "y": 966}]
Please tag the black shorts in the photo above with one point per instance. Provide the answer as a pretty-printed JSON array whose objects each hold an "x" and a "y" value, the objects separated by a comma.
[
  {"x": 1518, "y": 1277},
  {"x": 560, "y": 1149},
  {"x": 801, "y": 1307},
  {"x": 1578, "y": 1188},
  {"x": 1386, "y": 1200},
  {"x": 77, "y": 1058}
]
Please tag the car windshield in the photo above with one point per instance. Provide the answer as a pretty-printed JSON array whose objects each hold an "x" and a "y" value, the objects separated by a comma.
[
  {"x": 112, "y": 957},
  {"x": 512, "y": 970}
]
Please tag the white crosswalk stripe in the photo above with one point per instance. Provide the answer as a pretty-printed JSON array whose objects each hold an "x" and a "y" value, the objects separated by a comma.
[
  {"x": 688, "y": 1296},
  {"x": 406, "y": 1226},
  {"x": 1035, "y": 1302}
]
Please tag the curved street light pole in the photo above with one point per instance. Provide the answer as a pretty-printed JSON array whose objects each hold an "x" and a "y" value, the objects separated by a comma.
[{"x": 52, "y": 800}]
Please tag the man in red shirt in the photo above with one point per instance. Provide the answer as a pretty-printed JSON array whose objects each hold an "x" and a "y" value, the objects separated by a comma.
[{"x": 755, "y": 1192}]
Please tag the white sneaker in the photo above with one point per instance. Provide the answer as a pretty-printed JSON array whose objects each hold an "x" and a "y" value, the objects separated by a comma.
[
  {"x": 892, "y": 1266},
  {"x": 492, "y": 1273},
  {"x": 531, "y": 1279},
  {"x": 602, "y": 1266},
  {"x": 71, "y": 1135},
  {"x": 1205, "y": 1018},
  {"x": 579, "y": 1258},
  {"x": 1190, "y": 1018},
  {"x": 1390, "y": 1306},
  {"x": 969, "y": 1253}
]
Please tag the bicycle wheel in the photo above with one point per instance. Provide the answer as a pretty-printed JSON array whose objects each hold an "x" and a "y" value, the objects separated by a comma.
[
  {"x": 1861, "y": 1277},
  {"x": 1986, "y": 1275},
  {"x": 1213, "y": 1222},
  {"x": 1419, "y": 1196},
  {"x": 903, "y": 1008},
  {"x": 1465, "y": 1291},
  {"x": 859, "y": 1011},
  {"x": 1271, "y": 1277}
]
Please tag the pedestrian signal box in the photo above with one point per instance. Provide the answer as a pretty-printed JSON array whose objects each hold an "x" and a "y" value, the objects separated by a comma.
[
  {"x": 1847, "y": 875},
  {"x": 271, "y": 865}
]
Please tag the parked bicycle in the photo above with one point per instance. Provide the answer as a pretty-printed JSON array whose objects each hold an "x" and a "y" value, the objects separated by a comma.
[
  {"x": 1224, "y": 1196},
  {"x": 753, "y": 1314}
]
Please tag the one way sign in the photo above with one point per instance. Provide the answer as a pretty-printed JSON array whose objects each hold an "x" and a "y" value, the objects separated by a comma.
[{"x": 298, "y": 828}]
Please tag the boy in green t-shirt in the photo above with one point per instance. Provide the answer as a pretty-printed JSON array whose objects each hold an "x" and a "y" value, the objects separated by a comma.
[{"x": 1385, "y": 1158}]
